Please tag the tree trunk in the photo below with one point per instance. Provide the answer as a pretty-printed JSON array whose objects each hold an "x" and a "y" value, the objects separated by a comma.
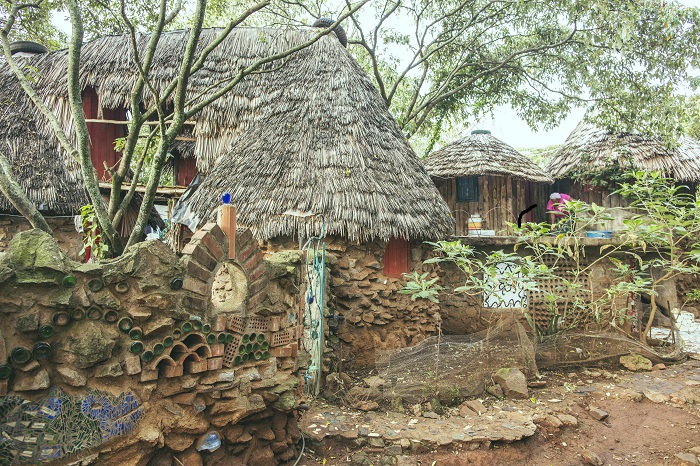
[{"x": 14, "y": 193}]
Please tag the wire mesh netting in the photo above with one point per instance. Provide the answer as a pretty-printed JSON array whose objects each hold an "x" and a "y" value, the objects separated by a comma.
[{"x": 453, "y": 366}]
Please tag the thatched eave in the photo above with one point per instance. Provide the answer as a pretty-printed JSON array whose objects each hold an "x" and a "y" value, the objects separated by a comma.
[
  {"x": 592, "y": 149},
  {"x": 482, "y": 154}
]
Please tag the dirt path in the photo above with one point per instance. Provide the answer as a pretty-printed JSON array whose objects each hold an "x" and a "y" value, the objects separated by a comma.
[{"x": 651, "y": 417}]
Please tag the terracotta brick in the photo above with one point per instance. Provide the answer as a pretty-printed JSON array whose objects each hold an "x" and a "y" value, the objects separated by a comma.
[
  {"x": 246, "y": 251},
  {"x": 257, "y": 272},
  {"x": 199, "y": 252},
  {"x": 255, "y": 300},
  {"x": 195, "y": 286},
  {"x": 244, "y": 236},
  {"x": 197, "y": 271},
  {"x": 212, "y": 245},
  {"x": 172, "y": 371},
  {"x": 215, "y": 363},
  {"x": 195, "y": 367},
  {"x": 219, "y": 324},
  {"x": 218, "y": 233},
  {"x": 253, "y": 259},
  {"x": 256, "y": 287},
  {"x": 218, "y": 349}
]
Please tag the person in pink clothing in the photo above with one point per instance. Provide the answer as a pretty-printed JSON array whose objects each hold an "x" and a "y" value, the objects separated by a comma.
[{"x": 557, "y": 207}]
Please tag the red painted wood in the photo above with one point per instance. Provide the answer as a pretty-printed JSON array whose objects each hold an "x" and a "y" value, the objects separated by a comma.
[
  {"x": 185, "y": 169},
  {"x": 102, "y": 135},
  {"x": 397, "y": 257}
]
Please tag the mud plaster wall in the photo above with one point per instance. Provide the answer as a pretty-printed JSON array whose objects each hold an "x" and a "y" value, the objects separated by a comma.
[
  {"x": 71, "y": 241},
  {"x": 132, "y": 361}
]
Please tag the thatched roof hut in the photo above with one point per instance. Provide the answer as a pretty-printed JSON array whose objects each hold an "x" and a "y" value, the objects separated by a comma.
[
  {"x": 591, "y": 149},
  {"x": 52, "y": 180},
  {"x": 310, "y": 133},
  {"x": 480, "y": 174},
  {"x": 318, "y": 140},
  {"x": 480, "y": 153}
]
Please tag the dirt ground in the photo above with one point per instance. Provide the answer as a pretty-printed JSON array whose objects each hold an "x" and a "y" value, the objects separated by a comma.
[{"x": 637, "y": 431}]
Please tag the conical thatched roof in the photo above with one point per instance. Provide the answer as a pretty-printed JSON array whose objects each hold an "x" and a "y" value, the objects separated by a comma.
[
  {"x": 482, "y": 154},
  {"x": 321, "y": 142},
  {"x": 589, "y": 149}
]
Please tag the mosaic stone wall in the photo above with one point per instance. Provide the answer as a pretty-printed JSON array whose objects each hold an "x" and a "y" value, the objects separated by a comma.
[
  {"x": 60, "y": 424},
  {"x": 85, "y": 349}
]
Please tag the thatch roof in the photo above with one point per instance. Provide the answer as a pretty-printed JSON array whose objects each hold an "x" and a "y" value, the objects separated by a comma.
[
  {"x": 480, "y": 153},
  {"x": 33, "y": 157},
  {"x": 319, "y": 140},
  {"x": 591, "y": 149},
  {"x": 52, "y": 180}
]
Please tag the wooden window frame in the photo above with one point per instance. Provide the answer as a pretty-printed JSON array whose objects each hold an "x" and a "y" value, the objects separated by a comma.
[{"x": 470, "y": 184}]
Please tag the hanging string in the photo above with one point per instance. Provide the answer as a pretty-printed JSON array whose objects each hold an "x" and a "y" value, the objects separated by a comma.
[{"x": 312, "y": 340}]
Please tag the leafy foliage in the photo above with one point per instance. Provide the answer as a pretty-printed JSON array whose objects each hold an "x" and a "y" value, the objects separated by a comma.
[
  {"x": 93, "y": 238},
  {"x": 661, "y": 241}
]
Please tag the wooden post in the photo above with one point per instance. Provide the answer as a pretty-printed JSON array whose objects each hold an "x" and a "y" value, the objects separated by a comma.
[{"x": 227, "y": 222}]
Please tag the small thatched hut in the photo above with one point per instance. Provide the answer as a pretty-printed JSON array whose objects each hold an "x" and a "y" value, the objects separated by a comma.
[
  {"x": 50, "y": 179},
  {"x": 591, "y": 162},
  {"x": 481, "y": 175}
]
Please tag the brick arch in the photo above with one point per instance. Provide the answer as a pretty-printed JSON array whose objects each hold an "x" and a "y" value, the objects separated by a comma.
[{"x": 209, "y": 248}]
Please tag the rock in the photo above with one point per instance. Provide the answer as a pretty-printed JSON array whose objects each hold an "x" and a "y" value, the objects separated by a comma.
[
  {"x": 32, "y": 365},
  {"x": 368, "y": 405},
  {"x": 36, "y": 258},
  {"x": 431, "y": 415},
  {"x": 263, "y": 456},
  {"x": 512, "y": 381},
  {"x": 547, "y": 421},
  {"x": 695, "y": 450},
  {"x": 537, "y": 384},
  {"x": 158, "y": 323},
  {"x": 495, "y": 390},
  {"x": 568, "y": 420},
  {"x": 658, "y": 367},
  {"x": 190, "y": 457},
  {"x": 470, "y": 407},
  {"x": 286, "y": 402},
  {"x": 360, "y": 458},
  {"x": 239, "y": 408},
  {"x": 224, "y": 375},
  {"x": 406, "y": 461},
  {"x": 87, "y": 344},
  {"x": 132, "y": 364},
  {"x": 177, "y": 441},
  {"x": 113, "y": 369},
  {"x": 376, "y": 442},
  {"x": 27, "y": 322},
  {"x": 590, "y": 457},
  {"x": 393, "y": 450},
  {"x": 26, "y": 382},
  {"x": 374, "y": 382},
  {"x": 683, "y": 459},
  {"x": 635, "y": 362},
  {"x": 72, "y": 377},
  {"x": 597, "y": 414},
  {"x": 655, "y": 396}
]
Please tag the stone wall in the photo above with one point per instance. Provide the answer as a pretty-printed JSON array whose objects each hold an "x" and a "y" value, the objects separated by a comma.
[
  {"x": 144, "y": 359},
  {"x": 71, "y": 241}
]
